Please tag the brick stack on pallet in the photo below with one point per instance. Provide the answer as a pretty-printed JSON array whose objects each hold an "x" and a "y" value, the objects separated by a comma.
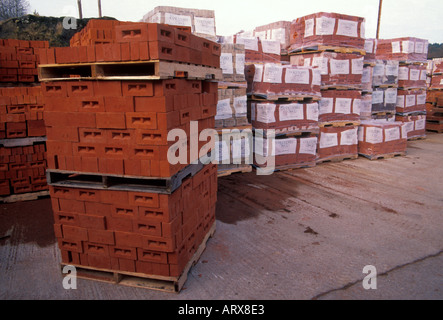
[
  {"x": 123, "y": 209},
  {"x": 22, "y": 129},
  {"x": 434, "y": 99},
  {"x": 233, "y": 148},
  {"x": 283, "y": 100},
  {"x": 369, "y": 63},
  {"x": 411, "y": 54},
  {"x": 335, "y": 44}
]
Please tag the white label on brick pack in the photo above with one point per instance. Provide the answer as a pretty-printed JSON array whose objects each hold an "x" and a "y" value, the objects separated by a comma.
[
  {"x": 414, "y": 75},
  {"x": 410, "y": 100},
  {"x": 307, "y": 62},
  {"x": 324, "y": 26},
  {"x": 265, "y": 112},
  {"x": 285, "y": 146},
  {"x": 204, "y": 25},
  {"x": 343, "y": 105},
  {"x": 377, "y": 97},
  {"x": 419, "y": 47},
  {"x": 240, "y": 63},
  {"x": 271, "y": 46},
  {"x": 309, "y": 28},
  {"x": 279, "y": 35},
  {"x": 326, "y": 105},
  {"x": 322, "y": 63},
  {"x": 366, "y": 76},
  {"x": 423, "y": 75},
  {"x": 392, "y": 69},
  {"x": 401, "y": 101},
  {"x": 374, "y": 135},
  {"x": 224, "y": 110},
  {"x": 396, "y": 47},
  {"x": 379, "y": 70},
  {"x": 356, "y": 106},
  {"x": 404, "y": 132},
  {"x": 409, "y": 126},
  {"x": 408, "y": 46},
  {"x": 369, "y": 46},
  {"x": 178, "y": 20},
  {"x": 420, "y": 124},
  {"x": 262, "y": 35},
  {"x": 360, "y": 133},
  {"x": 339, "y": 66},
  {"x": 308, "y": 145},
  {"x": 222, "y": 152},
  {"x": 441, "y": 81},
  {"x": 357, "y": 66},
  {"x": 226, "y": 63},
  {"x": 299, "y": 76},
  {"x": 347, "y": 28},
  {"x": 292, "y": 111},
  {"x": 312, "y": 111},
  {"x": 240, "y": 104},
  {"x": 328, "y": 140},
  {"x": 366, "y": 106},
  {"x": 403, "y": 73},
  {"x": 251, "y": 43},
  {"x": 426, "y": 46},
  {"x": 258, "y": 75},
  {"x": 362, "y": 30},
  {"x": 349, "y": 137},
  {"x": 421, "y": 99},
  {"x": 392, "y": 134},
  {"x": 240, "y": 148},
  {"x": 272, "y": 73},
  {"x": 261, "y": 146},
  {"x": 391, "y": 96}
]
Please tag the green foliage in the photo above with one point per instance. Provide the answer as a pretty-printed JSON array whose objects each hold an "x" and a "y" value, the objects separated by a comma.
[
  {"x": 13, "y": 8},
  {"x": 435, "y": 50}
]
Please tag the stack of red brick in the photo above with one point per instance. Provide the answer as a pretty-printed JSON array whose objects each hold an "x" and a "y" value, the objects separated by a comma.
[
  {"x": 334, "y": 44},
  {"x": 137, "y": 42},
  {"x": 380, "y": 139},
  {"x": 19, "y": 60},
  {"x": 22, "y": 129},
  {"x": 434, "y": 99},
  {"x": 120, "y": 128},
  {"x": 146, "y": 233}
]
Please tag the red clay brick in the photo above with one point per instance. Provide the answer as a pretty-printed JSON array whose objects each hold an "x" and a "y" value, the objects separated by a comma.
[
  {"x": 119, "y": 224},
  {"x": 66, "y": 218},
  {"x": 149, "y": 200},
  {"x": 141, "y": 120},
  {"x": 119, "y": 104},
  {"x": 154, "y": 104},
  {"x": 161, "y": 32},
  {"x": 110, "y": 120},
  {"x": 138, "y": 89},
  {"x": 95, "y": 248},
  {"x": 133, "y": 32},
  {"x": 152, "y": 228},
  {"x": 74, "y": 246},
  {"x": 107, "y": 89},
  {"x": 88, "y": 135},
  {"x": 91, "y": 221},
  {"x": 96, "y": 208},
  {"x": 128, "y": 239},
  {"x": 68, "y": 205},
  {"x": 123, "y": 252},
  {"x": 101, "y": 236},
  {"x": 152, "y": 256},
  {"x": 75, "y": 233},
  {"x": 62, "y": 133}
]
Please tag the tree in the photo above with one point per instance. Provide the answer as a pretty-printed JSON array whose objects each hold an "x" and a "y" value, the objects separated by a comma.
[{"x": 13, "y": 8}]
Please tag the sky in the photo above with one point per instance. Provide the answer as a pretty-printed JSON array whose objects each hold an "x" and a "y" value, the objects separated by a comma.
[{"x": 400, "y": 18}]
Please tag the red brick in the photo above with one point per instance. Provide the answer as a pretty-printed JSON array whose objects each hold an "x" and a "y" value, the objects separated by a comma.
[
  {"x": 132, "y": 167},
  {"x": 69, "y": 134},
  {"x": 91, "y": 221},
  {"x": 154, "y": 104},
  {"x": 169, "y": 120},
  {"x": 149, "y": 200},
  {"x": 89, "y": 195},
  {"x": 69, "y": 119},
  {"x": 152, "y": 256},
  {"x": 110, "y": 120},
  {"x": 63, "y": 193},
  {"x": 119, "y": 224},
  {"x": 101, "y": 236},
  {"x": 74, "y": 246},
  {"x": 91, "y": 104},
  {"x": 88, "y": 135},
  {"x": 160, "y": 50},
  {"x": 123, "y": 252},
  {"x": 80, "y": 89},
  {"x": 114, "y": 197},
  {"x": 141, "y": 120},
  {"x": 182, "y": 38},
  {"x": 95, "y": 249},
  {"x": 135, "y": 51},
  {"x": 68, "y": 205},
  {"x": 126, "y": 265},
  {"x": 161, "y": 32},
  {"x": 128, "y": 239},
  {"x": 125, "y": 49},
  {"x": 58, "y": 147},
  {"x": 55, "y": 89},
  {"x": 158, "y": 244},
  {"x": 66, "y": 218},
  {"x": 133, "y": 32},
  {"x": 84, "y": 150},
  {"x": 122, "y": 210},
  {"x": 138, "y": 89},
  {"x": 144, "y": 51},
  {"x": 152, "y": 228},
  {"x": 75, "y": 233},
  {"x": 119, "y": 104},
  {"x": 99, "y": 209},
  {"x": 83, "y": 54},
  {"x": 99, "y": 261},
  {"x": 120, "y": 137},
  {"x": 107, "y": 89},
  {"x": 58, "y": 232}
]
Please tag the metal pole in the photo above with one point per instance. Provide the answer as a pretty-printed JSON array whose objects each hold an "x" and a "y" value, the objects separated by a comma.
[
  {"x": 99, "y": 8},
  {"x": 80, "y": 13},
  {"x": 379, "y": 17}
]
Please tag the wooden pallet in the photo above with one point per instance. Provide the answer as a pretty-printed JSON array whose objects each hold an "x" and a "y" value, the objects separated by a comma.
[
  {"x": 338, "y": 124},
  {"x": 292, "y": 131},
  {"x": 340, "y": 87},
  {"x": 295, "y": 97},
  {"x": 434, "y": 127},
  {"x": 383, "y": 156},
  {"x": 133, "y": 70},
  {"x": 97, "y": 181},
  {"x": 227, "y": 171},
  {"x": 321, "y": 48},
  {"x": 232, "y": 84},
  {"x": 383, "y": 113},
  {"x": 140, "y": 280},
  {"x": 434, "y": 119},
  {"x": 417, "y": 138},
  {"x": 387, "y": 85},
  {"x": 240, "y": 128},
  {"x": 21, "y": 142},
  {"x": 31, "y": 196},
  {"x": 292, "y": 166},
  {"x": 337, "y": 158}
]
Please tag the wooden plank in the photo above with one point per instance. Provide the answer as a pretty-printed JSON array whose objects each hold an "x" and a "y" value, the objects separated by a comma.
[
  {"x": 383, "y": 156},
  {"x": 223, "y": 172},
  {"x": 338, "y": 124},
  {"x": 31, "y": 196},
  {"x": 337, "y": 158},
  {"x": 321, "y": 48},
  {"x": 294, "y": 97}
]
